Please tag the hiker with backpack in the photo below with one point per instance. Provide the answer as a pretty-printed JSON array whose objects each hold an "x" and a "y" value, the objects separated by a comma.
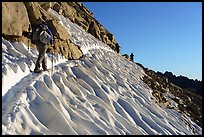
[
  {"x": 42, "y": 37},
  {"x": 132, "y": 57}
]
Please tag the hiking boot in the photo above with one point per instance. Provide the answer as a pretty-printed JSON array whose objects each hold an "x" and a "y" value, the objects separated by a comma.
[
  {"x": 45, "y": 69},
  {"x": 37, "y": 71}
]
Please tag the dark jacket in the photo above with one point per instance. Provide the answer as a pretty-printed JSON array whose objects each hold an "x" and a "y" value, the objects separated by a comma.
[{"x": 37, "y": 32}]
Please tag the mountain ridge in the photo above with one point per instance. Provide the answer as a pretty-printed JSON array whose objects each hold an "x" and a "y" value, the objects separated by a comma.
[
  {"x": 99, "y": 93},
  {"x": 189, "y": 102},
  {"x": 193, "y": 85}
]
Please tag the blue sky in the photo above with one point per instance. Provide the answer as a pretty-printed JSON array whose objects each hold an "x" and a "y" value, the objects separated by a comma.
[{"x": 164, "y": 36}]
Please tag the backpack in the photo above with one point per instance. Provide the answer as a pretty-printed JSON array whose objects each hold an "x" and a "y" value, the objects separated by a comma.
[
  {"x": 41, "y": 35},
  {"x": 45, "y": 37}
]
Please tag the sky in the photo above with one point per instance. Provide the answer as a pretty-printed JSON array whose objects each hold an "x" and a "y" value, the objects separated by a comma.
[{"x": 163, "y": 36}]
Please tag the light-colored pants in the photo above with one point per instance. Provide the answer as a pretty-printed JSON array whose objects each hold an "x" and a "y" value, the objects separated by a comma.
[{"x": 42, "y": 48}]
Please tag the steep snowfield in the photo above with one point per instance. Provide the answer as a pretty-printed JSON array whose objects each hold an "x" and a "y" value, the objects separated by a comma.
[{"x": 102, "y": 93}]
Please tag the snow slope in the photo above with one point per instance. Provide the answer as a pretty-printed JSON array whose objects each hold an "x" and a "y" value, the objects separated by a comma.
[{"x": 102, "y": 93}]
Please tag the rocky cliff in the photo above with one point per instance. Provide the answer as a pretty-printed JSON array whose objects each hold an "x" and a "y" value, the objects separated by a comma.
[
  {"x": 188, "y": 103},
  {"x": 80, "y": 15},
  {"x": 17, "y": 16},
  {"x": 195, "y": 86}
]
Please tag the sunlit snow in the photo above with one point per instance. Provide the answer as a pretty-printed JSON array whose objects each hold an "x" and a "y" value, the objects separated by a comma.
[{"x": 102, "y": 93}]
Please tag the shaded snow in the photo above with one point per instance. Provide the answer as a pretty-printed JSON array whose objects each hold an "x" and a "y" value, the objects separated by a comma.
[{"x": 102, "y": 93}]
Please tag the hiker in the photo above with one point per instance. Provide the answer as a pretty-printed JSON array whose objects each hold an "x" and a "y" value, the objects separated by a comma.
[
  {"x": 117, "y": 47},
  {"x": 132, "y": 57},
  {"x": 42, "y": 37}
]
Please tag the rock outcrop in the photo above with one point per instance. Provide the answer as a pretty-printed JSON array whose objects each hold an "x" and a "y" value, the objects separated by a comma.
[
  {"x": 80, "y": 15},
  {"x": 131, "y": 57},
  {"x": 187, "y": 102},
  {"x": 58, "y": 30},
  {"x": 33, "y": 9},
  {"x": 67, "y": 49},
  {"x": 15, "y": 19},
  {"x": 17, "y": 16},
  {"x": 195, "y": 86}
]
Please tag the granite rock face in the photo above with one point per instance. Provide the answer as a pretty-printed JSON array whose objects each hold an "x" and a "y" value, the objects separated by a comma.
[
  {"x": 187, "y": 102},
  {"x": 80, "y": 15},
  {"x": 17, "y": 16},
  {"x": 15, "y": 19},
  {"x": 67, "y": 49}
]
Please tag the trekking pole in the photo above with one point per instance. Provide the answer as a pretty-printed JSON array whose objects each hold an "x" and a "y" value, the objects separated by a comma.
[
  {"x": 29, "y": 36},
  {"x": 52, "y": 62},
  {"x": 52, "y": 53}
]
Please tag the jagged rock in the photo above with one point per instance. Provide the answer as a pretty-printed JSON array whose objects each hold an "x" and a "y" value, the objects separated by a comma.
[
  {"x": 111, "y": 37},
  {"x": 85, "y": 10},
  {"x": 104, "y": 38},
  {"x": 94, "y": 30},
  {"x": 126, "y": 56},
  {"x": 188, "y": 102},
  {"x": 76, "y": 53},
  {"x": 102, "y": 29},
  {"x": 57, "y": 8},
  {"x": 46, "y": 5},
  {"x": 80, "y": 15},
  {"x": 34, "y": 13},
  {"x": 131, "y": 57},
  {"x": 15, "y": 24},
  {"x": 83, "y": 23},
  {"x": 14, "y": 18},
  {"x": 67, "y": 49},
  {"x": 68, "y": 11},
  {"x": 112, "y": 45},
  {"x": 75, "y": 11},
  {"x": 58, "y": 30}
]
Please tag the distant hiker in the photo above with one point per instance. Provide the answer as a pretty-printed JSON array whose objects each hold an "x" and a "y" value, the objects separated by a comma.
[
  {"x": 132, "y": 57},
  {"x": 42, "y": 37},
  {"x": 117, "y": 47}
]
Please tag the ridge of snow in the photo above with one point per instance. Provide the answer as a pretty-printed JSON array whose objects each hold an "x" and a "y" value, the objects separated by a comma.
[
  {"x": 102, "y": 93},
  {"x": 79, "y": 36}
]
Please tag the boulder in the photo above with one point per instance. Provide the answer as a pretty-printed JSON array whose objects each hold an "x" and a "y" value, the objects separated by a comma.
[
  {"x": 102, "y": 30},
  {"x": 68, "y": 11},
  {"x": 34, "y": 13},
  {"x": 17, "y": 16},
  {"x": 75, "y": 51},
  {"x": 15, "y": 19},
  {"x": 67, "y": 49},
  {"x": 46, "y": 5},
  {"x": 104, "y": 38},
  {"x": 80, "y": 15},
  {"x": 57, "y": 8},
  {"x": 94, "y": 30},
  {"x": 85, "y": 10},
  {"x": 126, "y": 56},
  {"x": 111, "y": 38},
  {"x": 58, "y": 30}
]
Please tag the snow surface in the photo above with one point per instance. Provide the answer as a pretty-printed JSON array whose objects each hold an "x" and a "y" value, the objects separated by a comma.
[{"x": 102, "y": 93}]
